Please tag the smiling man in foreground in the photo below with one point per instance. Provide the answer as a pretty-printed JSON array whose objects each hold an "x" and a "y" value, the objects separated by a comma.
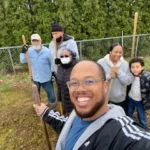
[{"x": 93, "y": 124}]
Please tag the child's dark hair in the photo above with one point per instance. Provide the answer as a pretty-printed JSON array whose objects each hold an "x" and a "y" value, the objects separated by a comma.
[
  {"x": 112, "y": 47},
  {"x": 136, "y": 60}
]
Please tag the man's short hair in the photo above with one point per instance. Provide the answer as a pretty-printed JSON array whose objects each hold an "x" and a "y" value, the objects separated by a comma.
[{"x": 101, "y": 69}]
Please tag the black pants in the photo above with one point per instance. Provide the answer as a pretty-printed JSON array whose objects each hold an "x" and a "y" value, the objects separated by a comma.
[{"x": 122, "y": 104}]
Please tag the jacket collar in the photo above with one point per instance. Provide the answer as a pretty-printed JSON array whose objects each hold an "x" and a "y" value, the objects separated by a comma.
[
  {"x": 114, "y": 112},
  {"x": 109, "y": 62}
]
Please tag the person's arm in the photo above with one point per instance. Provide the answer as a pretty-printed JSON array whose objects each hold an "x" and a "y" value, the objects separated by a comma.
[
  {"x": 133, "y": 135},
  {"x": 51, "y": 60},
  {"x": 51, "y": 49},
  {"x": 141, "y": 144},
  {"x": 145, "y": 91},
  {"x": 125, "y": 77},
  {"x": 122, "y": 133},
  {"x": 72, "y": 45},
  {"x": 51, "y": 117},
  {"x": 23, "y": 54},
  {"x": 133, "y": 140},
  {"x": 107, "y": 71},
  {"x": 23, "y": 58},
  {"x": 52, "y": 65},
  {"x": 54, "y": 119}
]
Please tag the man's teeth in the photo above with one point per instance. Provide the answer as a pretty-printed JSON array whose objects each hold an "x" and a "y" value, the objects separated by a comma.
[{"x": 83, "y": 99}]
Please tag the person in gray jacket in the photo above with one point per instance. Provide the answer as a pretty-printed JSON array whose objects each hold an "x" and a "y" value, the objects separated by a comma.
[
  {"x": 63, "y": 41},
  {"x": 117, "y": 70},
  {"x": 93, "y": 125}
]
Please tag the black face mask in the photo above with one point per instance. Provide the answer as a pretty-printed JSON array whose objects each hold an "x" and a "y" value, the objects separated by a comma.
[{"x": 58, "y": 40}]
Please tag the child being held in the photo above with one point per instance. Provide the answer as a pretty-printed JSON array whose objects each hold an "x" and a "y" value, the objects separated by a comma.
[{"x": 139, "y": 94}]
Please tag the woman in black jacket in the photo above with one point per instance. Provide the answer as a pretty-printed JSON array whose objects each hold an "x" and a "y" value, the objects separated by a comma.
[{"x": 67, "y": 62}]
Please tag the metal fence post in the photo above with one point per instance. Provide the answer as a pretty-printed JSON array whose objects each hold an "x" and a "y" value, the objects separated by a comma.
[
  {"x": 80, "y": 51},
  {"x": 11, "y": 61},
  {"x": 122, "y": 38},
  {"x": 136, "y": 48}
]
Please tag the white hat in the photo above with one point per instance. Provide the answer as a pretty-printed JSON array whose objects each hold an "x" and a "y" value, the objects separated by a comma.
[{"x": 35, "y": 37}]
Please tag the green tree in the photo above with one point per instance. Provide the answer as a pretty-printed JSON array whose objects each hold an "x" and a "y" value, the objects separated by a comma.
[{"x": 84, "y": 19}]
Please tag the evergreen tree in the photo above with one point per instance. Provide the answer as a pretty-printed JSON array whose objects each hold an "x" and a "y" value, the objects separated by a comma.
[{"x": 84, "y": 19}]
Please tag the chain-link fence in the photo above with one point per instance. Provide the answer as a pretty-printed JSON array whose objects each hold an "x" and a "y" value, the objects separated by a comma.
[
  {"x": 9, "y": 59},
  {"x": 88, "y": 49},
  {"x": 97, "y": 48}
]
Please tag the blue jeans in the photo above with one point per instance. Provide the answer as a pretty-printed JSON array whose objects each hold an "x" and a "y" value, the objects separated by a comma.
[
  {"x": 132, "y": 104},
  {"x": 48, "y": 87}
]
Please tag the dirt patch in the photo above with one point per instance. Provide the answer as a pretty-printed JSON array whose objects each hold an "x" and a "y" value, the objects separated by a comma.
[{"x": 20, "y": 128}]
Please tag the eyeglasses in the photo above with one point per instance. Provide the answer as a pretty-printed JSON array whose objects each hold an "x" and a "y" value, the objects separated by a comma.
[
  {"x": 64, "y": 56},
  {"x": 86, "y": 83}
]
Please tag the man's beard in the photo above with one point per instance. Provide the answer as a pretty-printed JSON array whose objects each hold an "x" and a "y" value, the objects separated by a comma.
[
  {"x": 93, "y": 111},
  {"x": 37, "y": 47}
]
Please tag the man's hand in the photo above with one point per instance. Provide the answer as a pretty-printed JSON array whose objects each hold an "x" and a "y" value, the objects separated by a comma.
[
  {"x": 39, "y": 109},
  {"x": 24, "y": 48}
]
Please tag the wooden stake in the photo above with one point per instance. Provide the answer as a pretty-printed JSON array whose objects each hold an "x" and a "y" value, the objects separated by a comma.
[
  {"x": 27, "y": 56},
  {"x": 109, "y": 90},
  {"x": 38, "y": 102},
  {"x": 134, "y": 34},
  {"x": 55, "y": 47}
]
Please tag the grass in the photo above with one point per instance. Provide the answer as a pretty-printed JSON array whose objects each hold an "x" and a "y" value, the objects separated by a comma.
[
  {"x": 20, "y": 128},
  {"x": 147, "y": 63}
]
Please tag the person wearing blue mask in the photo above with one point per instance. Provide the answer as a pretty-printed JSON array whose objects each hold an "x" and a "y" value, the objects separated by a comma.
[
  {"x": 41, "y": 65},
  {"x": 67, "y": 62}
]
